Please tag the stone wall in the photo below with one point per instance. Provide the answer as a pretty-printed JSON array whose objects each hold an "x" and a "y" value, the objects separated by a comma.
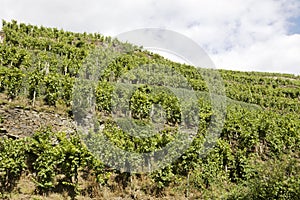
[{"x": 20, "y": 122}]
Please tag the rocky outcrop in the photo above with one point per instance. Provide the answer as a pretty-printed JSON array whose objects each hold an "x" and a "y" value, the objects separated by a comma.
[{"x": 21, "y": 122}]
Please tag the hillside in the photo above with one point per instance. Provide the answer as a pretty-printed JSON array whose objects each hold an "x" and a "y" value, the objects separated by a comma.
[{"x": 44, "y": 156}]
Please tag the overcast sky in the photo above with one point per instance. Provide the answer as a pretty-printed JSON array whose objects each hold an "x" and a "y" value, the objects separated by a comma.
[{"x": 251, "y": 35}]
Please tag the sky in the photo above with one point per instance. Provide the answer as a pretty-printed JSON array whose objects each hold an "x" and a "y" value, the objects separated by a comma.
[{"x": 245, "y": 35}]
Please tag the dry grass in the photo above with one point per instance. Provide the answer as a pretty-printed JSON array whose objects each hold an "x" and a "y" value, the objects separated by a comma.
[
  {"x": 26, "y": 185},
  {"x": 25, "y": 103},
  {"x": 139, "y": 187}
]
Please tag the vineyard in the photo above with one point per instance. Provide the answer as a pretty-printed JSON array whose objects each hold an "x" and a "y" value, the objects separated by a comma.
[{"x": 256, "y": 154}]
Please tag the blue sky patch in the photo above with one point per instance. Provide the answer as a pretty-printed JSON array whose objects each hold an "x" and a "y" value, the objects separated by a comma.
[{"x": 295, "y": 25}]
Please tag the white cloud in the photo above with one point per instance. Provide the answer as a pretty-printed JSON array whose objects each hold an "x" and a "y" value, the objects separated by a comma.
[
  {"x": 278, "y": 54},
  {"x": 237, "y": 34}
]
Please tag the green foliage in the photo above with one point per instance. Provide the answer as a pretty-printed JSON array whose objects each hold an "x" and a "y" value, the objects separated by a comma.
[
  {"x": 274, "y": 179},
  {"x": 55, "y": 158},
  {"x": 140, "y": 103},
  {"x": 53, "y": 88},
  {"x": 35, "y": 80},
  {"x": 104, "y": 96},
  {"x": 67, "y": 84},
  {"x": 2, "y": 78},
  {"x": 163, "y": 177},
  {"x": 12, "y": 162},
  {"x": 59, "y": 155},
  {"x": 11, "y": 81}
]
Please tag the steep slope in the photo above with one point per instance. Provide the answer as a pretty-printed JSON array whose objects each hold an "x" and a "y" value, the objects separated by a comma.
[{"x": 256, "y": 155}]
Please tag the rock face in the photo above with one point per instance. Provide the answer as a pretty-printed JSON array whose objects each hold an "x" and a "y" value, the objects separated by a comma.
[{"x": 20, "y": 122}]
